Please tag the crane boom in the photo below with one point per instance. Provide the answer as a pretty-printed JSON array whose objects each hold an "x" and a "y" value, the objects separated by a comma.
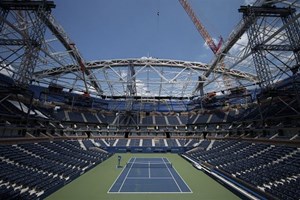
[
  {"x": 209, "y": 41},
  {"x": 201, "y": 29}
]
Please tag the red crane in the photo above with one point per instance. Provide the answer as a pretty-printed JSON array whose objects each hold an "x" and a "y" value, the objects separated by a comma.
[
  {"x": 208, "y": 39},
  {"x": 201, "y": 29}
]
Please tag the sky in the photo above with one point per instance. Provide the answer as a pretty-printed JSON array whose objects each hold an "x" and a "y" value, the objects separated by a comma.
[{"x": 117, "y": 29}]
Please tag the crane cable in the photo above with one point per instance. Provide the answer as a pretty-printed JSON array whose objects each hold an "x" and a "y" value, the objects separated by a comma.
[{"x": 157, "y": 14}]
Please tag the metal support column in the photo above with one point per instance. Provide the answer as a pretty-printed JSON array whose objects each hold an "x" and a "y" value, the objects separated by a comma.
[
  {"x": 131, "y": 87},
  {"x": 293, "y": 32},
  {"x": 255, "y": 39},
  {"x": 3, "y": 14},
  {"x": 29, "y": 59}
]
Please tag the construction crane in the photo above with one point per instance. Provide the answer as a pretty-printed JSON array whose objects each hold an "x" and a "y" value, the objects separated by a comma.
[{"x": 207, "y": 38}]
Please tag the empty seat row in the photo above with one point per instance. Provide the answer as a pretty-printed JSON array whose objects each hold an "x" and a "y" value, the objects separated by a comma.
[
  {"x": 33, "y": 169},
  {"x": 271, "y": 168}
]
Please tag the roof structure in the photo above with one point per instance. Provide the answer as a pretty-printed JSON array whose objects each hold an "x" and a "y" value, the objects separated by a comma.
[{"x": 51, "y": 57}]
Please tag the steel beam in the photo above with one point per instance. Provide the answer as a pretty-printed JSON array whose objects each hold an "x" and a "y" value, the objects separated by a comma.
[
  {"x": 143, "y": 62},
  {"x": 266, "y": 11},
  {"x": 131, "y": 88},
  {"x": 275, "y": 48},
  {"x": 234, "y": 36},
  {"x": 29, "y": 59},
  {"x": 259, "y": 44},
  {"x": 61, "y": 35},
  {"x": 293, "y": 32},
  {"x": 26, "y": 5},
  {"x": 16, "y": 42}
]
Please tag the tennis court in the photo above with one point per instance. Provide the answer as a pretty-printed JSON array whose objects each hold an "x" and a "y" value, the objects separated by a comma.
[
  {"x": 149, "y": 175},
  {"x": 95, "y": 184}
]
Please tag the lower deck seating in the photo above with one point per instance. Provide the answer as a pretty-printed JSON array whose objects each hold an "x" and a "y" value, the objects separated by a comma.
[
  {"x": 122, "y": 142},
  {"x": 31, "y": 171},
  {"x": 269, "y": 168},
  {"x": 134, "y": 142},
  {"x": 88, "y": 143},
  {"x": 147, "y": 142},
  {"x": 172, "y": 142},
  {"x": 204, "y": 144},
  {"x": 188, "y": 142}
]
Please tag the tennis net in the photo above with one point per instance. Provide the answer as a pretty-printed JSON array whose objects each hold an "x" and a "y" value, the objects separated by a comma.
[{"x": 149, "y": 165}]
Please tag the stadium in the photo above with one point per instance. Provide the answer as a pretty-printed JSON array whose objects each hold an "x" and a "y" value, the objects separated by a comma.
[{"x": 149, "y": 127}]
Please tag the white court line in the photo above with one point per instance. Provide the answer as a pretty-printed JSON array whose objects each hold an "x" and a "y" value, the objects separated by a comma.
[
  {"x": 150, "y": 193},
  {"x": 116, "y": 179},
  {"x": 156, "y": 178},
  {"x": 149, "y": 169},
  {"x": 172, "y": 175},
  {"x": 126, "y": 176},
  {"x": 181, "y": 178},
  {"x": 152, "y": 178}
]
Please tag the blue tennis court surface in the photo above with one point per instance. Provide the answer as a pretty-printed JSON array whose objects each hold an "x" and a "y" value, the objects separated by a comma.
[{"x": 149, "y": 175}]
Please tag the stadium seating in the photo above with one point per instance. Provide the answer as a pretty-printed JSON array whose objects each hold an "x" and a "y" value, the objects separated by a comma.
[
  {"x": 88, "y": 144},
  {"x": 160, "y": 120},
  {"x": 159, "y": 143},
  {"x": 183, "y": 119},
  {"x": 271, "y": 168},
  {"x": 148, "y": 120},
  {"x": 204, "y": 144},
  {"x": 90, "y": 117},
  {"x": 34, "y": 170},
  {"x": 60, "y": 115},
  {"x": 172, "y": 142},
  {"x": 121, "y": 142},
  {"x": 172, "y": 120},
  {"x": 217, "y": 117},
  {"x": 75, "y": 116},
  {"x": 134, "y": 142},
  {"x": 55, "y": 144},
  {"x": 101, "y": 117},
  {"x": 147, "y": 142}
]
